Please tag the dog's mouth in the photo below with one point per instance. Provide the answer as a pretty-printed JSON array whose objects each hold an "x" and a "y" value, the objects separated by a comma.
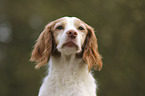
[{"x": 70, "y": 45}]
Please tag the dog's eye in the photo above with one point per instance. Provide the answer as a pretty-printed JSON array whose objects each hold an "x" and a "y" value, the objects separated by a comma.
[
  {"x": 81, "y": 28},
  {"x": 59, "y": 27}
]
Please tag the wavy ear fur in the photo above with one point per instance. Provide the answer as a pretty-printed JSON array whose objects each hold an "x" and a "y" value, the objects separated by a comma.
[
  {"x": 43, "y": 47},
  {"x": 91, "y": 54}
]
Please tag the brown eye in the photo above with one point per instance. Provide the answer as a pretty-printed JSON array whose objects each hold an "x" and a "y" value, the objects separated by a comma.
[
  {"x": 81, "y": 28},
  {"x": 59, "y": 27}
]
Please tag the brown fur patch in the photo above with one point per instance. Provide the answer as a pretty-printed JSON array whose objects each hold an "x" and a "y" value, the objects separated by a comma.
[{"x": 91, "y": 54}]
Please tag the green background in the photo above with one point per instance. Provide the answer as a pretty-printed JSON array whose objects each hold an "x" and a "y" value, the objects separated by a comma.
[{"x": 119, "y": 26}]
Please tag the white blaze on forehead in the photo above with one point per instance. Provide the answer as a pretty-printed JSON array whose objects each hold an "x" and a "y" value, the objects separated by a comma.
[
  {"x": 73, "y": 23},
  {"x": 70, "y": 23}
]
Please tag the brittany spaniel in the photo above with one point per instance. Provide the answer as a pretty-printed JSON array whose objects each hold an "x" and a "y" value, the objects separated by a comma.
[{"x": 69, "y": 47}]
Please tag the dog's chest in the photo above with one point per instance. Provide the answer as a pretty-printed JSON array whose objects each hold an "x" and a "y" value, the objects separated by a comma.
[
  {"x": 65, "y": 79},
  {"x": 71, "y": 85}
]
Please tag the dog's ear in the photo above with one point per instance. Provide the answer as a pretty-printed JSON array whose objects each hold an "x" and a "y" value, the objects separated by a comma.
[
  {"x": 43, "y": 47},
  {"x": 91, "y": 54}
]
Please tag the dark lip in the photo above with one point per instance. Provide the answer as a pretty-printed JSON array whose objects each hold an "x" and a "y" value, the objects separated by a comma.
[{"x": 70, "y": 46}]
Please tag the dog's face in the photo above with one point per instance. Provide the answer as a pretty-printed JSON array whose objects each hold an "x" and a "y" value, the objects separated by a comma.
[{"x": 67, "y": 35}]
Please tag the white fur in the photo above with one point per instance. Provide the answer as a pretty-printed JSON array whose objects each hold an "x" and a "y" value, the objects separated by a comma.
[{"x": 68, "y": 76}]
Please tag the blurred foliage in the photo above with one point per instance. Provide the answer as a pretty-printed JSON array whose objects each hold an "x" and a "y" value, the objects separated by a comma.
[{"x": 120, "y": 29}]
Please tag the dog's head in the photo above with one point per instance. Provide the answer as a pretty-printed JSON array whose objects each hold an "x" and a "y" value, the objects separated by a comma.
[{"x": 67, "y": 35}]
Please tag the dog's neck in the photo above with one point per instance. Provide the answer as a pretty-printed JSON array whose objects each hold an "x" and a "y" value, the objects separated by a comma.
[
  {"x": 67, "y": 65},
  {"x": 69, "y": 75}
]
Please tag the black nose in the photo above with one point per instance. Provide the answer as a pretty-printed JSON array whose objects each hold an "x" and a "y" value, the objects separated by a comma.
[{"x": 72, "y": 34}]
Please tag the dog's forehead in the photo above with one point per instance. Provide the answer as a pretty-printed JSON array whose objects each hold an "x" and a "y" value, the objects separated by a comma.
[{"x": 70, "y": 20}]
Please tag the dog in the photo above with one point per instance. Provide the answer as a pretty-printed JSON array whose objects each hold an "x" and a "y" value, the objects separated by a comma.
[{"x": 69, "y": 47}]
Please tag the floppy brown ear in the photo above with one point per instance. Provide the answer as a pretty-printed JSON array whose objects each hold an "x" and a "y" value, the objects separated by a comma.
[
  {"x": 91, "y": 54},
  {"x": 42, "y": 48}
]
